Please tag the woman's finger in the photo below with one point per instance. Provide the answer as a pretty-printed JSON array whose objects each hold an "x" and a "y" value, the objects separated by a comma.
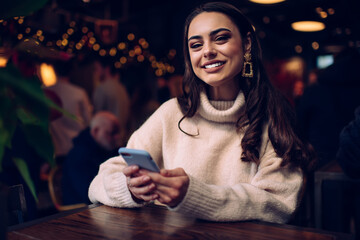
[
  {"x": 138, "y": 181},
  {"x": 130, "y": 170}
]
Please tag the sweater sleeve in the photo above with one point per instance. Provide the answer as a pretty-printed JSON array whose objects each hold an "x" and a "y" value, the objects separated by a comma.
[
  {"x": 348, "y": 154},
  {"x": 109, "y": 186},
  {"x": 271, "y": 195}
]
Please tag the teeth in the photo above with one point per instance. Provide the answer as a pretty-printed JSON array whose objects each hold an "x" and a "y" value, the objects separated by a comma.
[{"x": 213, "y": 65}]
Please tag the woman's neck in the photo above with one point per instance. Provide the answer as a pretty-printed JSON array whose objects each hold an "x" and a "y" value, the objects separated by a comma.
[{"x": 224, "y": 93}]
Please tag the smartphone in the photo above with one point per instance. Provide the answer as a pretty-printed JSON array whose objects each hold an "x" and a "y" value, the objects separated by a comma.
[{"x": 139, "y": 157}]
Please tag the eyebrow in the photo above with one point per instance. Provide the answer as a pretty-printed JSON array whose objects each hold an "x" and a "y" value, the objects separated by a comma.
[{"x": 212, "y": 33}]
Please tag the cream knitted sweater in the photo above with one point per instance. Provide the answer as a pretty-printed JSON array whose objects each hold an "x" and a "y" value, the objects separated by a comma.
[{"x": 222, "y": 187}]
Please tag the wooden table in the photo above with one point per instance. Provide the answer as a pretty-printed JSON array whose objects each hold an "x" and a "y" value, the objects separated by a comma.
[{"x": 153, "y": 222}]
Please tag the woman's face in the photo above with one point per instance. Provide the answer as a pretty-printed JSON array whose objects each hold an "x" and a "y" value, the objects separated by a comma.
[{"x": 216, "y": 49}]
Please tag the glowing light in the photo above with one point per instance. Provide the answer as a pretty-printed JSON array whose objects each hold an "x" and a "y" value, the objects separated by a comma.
[
  {"x": 64, "y": 42},
  {"x": 39, "y": 33},
  {"x": 58, "y": 43},
  {"x": 140, "y": 58},
  {"x": 85, "y": 30},
  {"x": 96, "y": 47},
  {"x": 130, "y": 36},
  {"x": 145, "y": 45},
  {"x": 170, "y": 69},
  {"x": 102, "y": 52},
  {"x": 123, "y": 60},
  {"x": 112, "y": 52},
  {"x": 21, "y": 21},
  {"x": 20, "y": 36},
  {"x": 172, "y": 53},
  {"x": 323, "y": 14},
  {"x": 298, "y": 49},
  {"x": 27, "y": 30},
  {"x": 78, "y": 46},
  {"x": 266, "y": 20},
  {"x": 131, "y": 53},
  {"x": 92, "y": 40},
  {"x": 65, "y": 36},
  {"x": 331, "y": 11},
  {"x": 152, "y": 58},
  {"x": 121, "y": 46},
  {"x": 117, "y": 65},
  {"x": 137, "y": 50},
  {"x": 308, "y": 26},
  {"x": 267, "y": 1},
  {"x": 3, "y": 61},
  {"x": 315, "y": 45},
  {"x": 47, "y": 74},
  {"x": 159, "y": 72},
  {"x": 41, "y": 38},
  {"x": 70, "y": 31},
  {"x": 141, "y": 41},
  {"x": 72, "y": 24}
]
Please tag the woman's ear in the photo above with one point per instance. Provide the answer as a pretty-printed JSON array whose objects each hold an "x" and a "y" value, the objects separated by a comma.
[{"x": 247, "y": 45}]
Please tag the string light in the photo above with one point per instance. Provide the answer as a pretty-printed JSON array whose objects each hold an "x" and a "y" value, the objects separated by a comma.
[
  {"x": 131, "y": 36},
  {"x": 70, "y": 41}
]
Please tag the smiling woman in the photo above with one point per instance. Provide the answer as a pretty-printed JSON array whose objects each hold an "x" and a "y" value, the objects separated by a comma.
[
  {"x": 227, "y": 147},
  {"x": 216, "y": 53}
]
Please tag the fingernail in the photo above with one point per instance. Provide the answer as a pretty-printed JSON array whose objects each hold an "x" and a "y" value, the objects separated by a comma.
[
  {"x": 134, "y": 167},
  {"x": 146, "y": 178}
]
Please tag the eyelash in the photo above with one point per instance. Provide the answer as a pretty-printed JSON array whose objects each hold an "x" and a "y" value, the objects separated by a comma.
[
  {"x": 217, "y": 39},
  {"x": 222, "y": 38}
]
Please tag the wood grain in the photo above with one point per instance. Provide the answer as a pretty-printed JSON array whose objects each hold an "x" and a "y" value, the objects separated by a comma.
[{"x": 103, "y": 222}]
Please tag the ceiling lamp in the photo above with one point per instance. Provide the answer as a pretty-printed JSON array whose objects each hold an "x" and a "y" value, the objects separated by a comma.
[
  {"x": 308, "y": 26},
  {"x": 266, "y": 1}
]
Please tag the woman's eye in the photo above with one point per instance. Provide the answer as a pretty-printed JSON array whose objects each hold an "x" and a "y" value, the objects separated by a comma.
[
  {"x": 222, "y": 38},
  {"x": 195, "y": 45}
]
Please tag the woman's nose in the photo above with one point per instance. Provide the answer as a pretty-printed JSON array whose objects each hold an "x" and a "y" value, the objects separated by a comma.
[{"x": 209, "y": 51}]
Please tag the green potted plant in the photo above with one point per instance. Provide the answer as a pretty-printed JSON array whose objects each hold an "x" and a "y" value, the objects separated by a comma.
[{"x": 23, "y": 104}]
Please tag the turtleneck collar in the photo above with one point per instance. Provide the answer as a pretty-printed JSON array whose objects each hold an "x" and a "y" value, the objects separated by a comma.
[{"x": 221, "y": 111}]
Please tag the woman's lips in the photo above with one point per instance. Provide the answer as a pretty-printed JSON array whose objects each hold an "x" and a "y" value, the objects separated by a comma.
[{"x": 213, "y": 66}]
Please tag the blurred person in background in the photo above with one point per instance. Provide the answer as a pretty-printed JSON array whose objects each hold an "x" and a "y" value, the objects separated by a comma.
[
  {"x": 76, "y": 102},
  {"x": 91, "y": 147},
  {"x": 111, "y": 95}
]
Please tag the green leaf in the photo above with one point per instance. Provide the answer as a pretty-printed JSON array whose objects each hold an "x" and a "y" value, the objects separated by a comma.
[
  {"x": 15, "y": 8},
  {"x": 28, "y": 93},
  {"x": 7, "y": 124},
  {"x": 24, "y": 171},
  {"x": 40, "y": 140}
]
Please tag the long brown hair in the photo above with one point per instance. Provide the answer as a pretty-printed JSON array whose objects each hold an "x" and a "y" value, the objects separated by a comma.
[{"x": 264, "y": 104}]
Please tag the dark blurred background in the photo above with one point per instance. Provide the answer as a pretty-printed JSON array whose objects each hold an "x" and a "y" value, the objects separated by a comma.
[{"x": 316, "y": 71}]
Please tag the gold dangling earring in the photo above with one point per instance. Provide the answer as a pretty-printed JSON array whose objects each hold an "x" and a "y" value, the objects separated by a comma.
[{"x": 248, "y": 67}]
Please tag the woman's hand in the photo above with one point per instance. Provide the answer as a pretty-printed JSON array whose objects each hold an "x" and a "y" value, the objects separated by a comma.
[
  {"x": 139, "y": 183},
  {"x": 171, "y": 185}
]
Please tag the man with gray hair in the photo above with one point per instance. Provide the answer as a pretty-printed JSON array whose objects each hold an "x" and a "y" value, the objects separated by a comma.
[{"x": 91, "y": 147}]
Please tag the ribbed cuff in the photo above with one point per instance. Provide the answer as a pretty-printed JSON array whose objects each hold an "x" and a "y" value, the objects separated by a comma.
[
  {"x": 197, "y": 201},
  {"x": 123, "y": 195}
]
